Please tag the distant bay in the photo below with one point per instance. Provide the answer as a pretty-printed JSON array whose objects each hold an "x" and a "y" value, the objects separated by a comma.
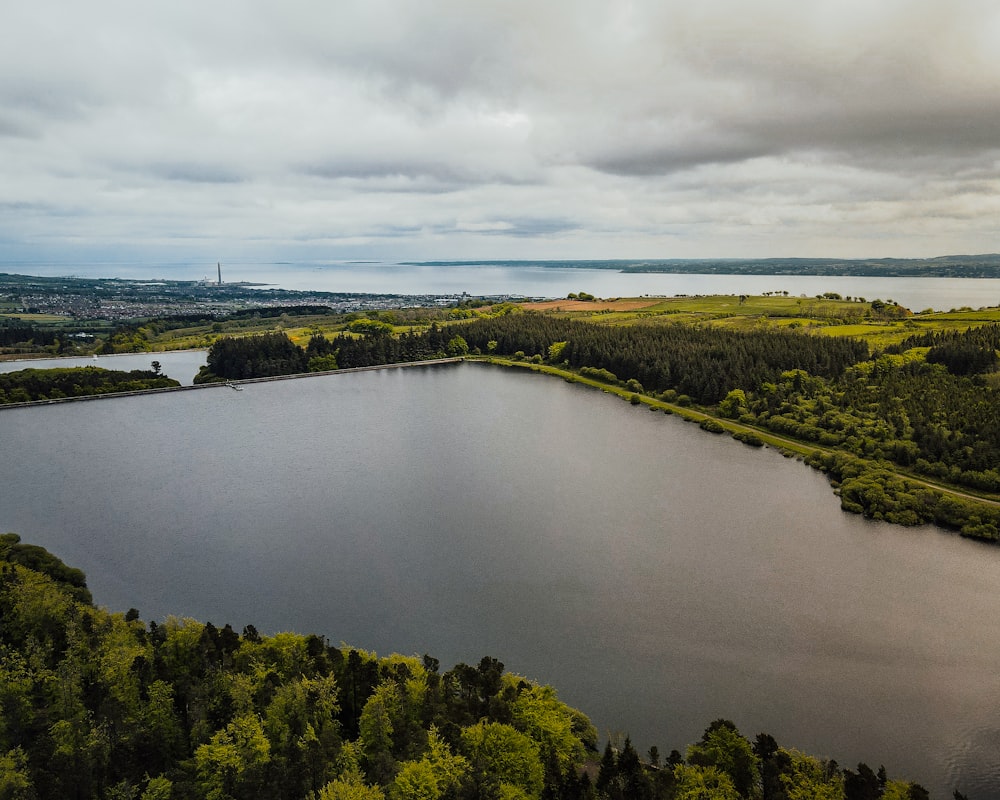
[
  {"x": 917, "y": 294},
  {"x": 529, "y": 279}
]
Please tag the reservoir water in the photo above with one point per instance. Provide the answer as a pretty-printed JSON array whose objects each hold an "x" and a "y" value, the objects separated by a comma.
[{"x": 658, "y": 576}]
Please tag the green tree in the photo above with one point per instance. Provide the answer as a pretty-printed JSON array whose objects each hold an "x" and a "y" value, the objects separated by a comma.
[
  {"x": 457, "y": 346},
  {"x": 538, "y": 712},
  {"x": 806, "y": 778},
  {"x": 723, "y": 747},
  {"x": 232, "y": 764},
  {"x": 438, "y": 773},
  {"x": 325, "y": 363},
  {"x": 349, "y": 789},
  {"x": 556, "y": 350},
  {"x": 499, "y": 756},
  {"x": 702, "y": 783},
  {"x": 734, "y": 404},
  {"x": 379, "y": 720},
  {"x": 370, "y": 326},
  {"x": 301, "y": 725},
  {"x": 15, "y": 779},
  {"x": 158, "y": 788}
]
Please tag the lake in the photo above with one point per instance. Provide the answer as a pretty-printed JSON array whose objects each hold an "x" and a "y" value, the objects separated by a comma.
[{"x": 658, "y": 576}]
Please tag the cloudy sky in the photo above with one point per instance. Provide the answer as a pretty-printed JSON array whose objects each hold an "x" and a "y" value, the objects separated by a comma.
[{"x": 406, "y": 129}]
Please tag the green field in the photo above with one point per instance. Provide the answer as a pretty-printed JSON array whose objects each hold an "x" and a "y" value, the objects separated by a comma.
[{"x": 821, "y": 316}]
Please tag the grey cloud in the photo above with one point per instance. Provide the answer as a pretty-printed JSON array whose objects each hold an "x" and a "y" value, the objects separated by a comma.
[
  {"x": 652, "y": 160},
  {"x": 17, "y": 128},
  {"x": 897, "y": 85},
  {"x": 410, "y": 176},
  {"x": 441, "y": 172},
  {"x": 530, "y": 227},
  {"x": 703, "y": 122},
  {"x": 193, "y": 172}
]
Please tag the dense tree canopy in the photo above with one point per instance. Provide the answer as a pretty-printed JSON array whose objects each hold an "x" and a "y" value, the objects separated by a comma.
[
  {"x": 704, "y": 363},
  {"x": 15, "y": 331},
  {"x": 100, "y": 705},
  {"x": 259, "y": 356}
]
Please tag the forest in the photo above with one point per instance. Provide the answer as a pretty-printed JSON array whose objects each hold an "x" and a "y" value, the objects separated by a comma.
[
  {"x": 367, "y": 343},
  {"x": 702, "y": 363},
  {"x": 28, "y": 385},
  {"x": 102, "y": 705}
]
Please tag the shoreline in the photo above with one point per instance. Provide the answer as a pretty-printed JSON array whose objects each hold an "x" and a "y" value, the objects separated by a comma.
[
  {"x": 100, "y": 355},
  {"x": 230, "y": 384}
]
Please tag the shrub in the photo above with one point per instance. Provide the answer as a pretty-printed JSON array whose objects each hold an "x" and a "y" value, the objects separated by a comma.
[
  {"x": 597, "y": 374},
  {"x": 748, "y": 437}
]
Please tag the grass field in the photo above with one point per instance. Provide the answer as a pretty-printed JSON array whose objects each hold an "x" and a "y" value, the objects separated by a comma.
[
  {"x": 819, "y": 316},
  {"x": 823, "y": 316},
  {"x": 36, "y": 317}
]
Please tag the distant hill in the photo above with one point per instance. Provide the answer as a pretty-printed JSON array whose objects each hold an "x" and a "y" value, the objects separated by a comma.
[{"x": 959, "y": 266}]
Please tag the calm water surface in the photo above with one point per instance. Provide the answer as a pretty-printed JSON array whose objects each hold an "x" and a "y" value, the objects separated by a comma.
[
  {"x": 917, "y": 294},
  {"x": 658, "y": 576}
]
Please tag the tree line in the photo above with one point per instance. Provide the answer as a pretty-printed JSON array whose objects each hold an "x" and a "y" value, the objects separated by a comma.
[
  {"x": 14, "y": 331},
  {"x": 366, "y": 343},
  {"x": 103, "y": 705},
  {"x": 701, "y": 362},
  {"x": 969, "y": 352}
]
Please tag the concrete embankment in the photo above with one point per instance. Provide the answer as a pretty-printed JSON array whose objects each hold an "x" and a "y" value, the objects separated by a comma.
[{"x": 234, "y": 384}]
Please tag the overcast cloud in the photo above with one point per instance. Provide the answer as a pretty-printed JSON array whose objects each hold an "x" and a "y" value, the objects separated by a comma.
[{"x": 437, "y": 129}]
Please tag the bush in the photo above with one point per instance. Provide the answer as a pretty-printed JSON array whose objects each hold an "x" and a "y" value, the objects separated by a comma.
[
  {"x": 747, "y": 437},
  {"x": 602, "y": 375}
]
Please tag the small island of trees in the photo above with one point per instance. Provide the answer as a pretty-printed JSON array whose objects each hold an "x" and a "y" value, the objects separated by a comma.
[{"x": 30, "y": 385}]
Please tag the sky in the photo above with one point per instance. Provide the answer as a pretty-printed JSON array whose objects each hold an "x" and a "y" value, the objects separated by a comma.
[{"x": 576, "y": 129}]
